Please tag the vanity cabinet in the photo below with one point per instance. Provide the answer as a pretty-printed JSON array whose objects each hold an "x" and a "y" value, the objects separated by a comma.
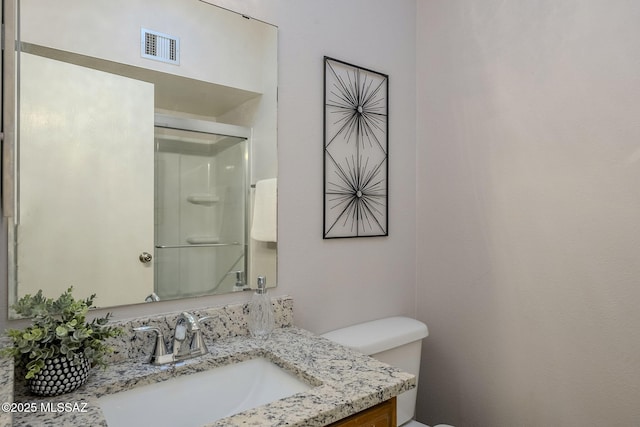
[{"x": 381, "y": 415}]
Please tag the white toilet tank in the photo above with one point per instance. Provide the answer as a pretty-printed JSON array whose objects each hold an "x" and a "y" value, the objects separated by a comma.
[{"x": 393, "y": 340}]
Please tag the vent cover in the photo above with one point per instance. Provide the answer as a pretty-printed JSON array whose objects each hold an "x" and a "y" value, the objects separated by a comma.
[{"x": 159, "y": 46}]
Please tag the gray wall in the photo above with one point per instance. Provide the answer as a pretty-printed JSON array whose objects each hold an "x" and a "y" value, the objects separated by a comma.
[{"x": 528, "y": 205}]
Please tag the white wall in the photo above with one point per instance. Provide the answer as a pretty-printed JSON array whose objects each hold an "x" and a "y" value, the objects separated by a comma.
[
  {"x": 338, "y": 282},
  {"x": 56, "y": 24},
  {"x": 528, "y": 190},
  {"x": 333, "y": 282}
]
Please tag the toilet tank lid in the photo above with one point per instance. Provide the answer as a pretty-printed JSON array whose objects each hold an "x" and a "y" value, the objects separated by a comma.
[{"x": 379, "y": 335}]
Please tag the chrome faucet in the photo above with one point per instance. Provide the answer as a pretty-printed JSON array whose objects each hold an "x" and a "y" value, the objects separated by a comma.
[{"x": 186, "y": 324}]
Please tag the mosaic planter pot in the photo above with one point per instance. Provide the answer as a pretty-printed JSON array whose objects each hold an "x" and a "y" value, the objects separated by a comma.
[{"x": 59, "y": 375}]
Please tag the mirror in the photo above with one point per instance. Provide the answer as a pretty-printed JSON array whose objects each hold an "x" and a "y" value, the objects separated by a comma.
[{"x": 141, "y": 150}]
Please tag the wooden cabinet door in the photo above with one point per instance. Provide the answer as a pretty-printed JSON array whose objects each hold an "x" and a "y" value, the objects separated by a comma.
[{"x": 381, "y": 415}]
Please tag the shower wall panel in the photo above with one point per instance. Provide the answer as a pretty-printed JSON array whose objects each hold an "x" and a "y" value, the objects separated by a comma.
[{"x": 200, "y": 221}]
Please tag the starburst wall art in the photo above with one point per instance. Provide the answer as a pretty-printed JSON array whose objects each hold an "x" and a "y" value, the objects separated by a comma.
[{"x": 356, "y": 141}]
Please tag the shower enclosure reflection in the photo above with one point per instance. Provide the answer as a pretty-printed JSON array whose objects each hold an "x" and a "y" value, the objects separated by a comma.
[{"x": 200, "y": 208}]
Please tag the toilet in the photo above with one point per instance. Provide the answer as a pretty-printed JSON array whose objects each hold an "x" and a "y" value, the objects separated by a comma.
[{"x": 393, "y": 340}]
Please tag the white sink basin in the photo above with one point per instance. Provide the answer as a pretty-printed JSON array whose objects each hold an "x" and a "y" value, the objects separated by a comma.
[{"x": 201, "y": 398}]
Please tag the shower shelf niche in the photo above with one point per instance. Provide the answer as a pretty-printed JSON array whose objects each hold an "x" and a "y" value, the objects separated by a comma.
[
  {"x": 206, "y": 199},
  {"x": 202, "y": 240}
]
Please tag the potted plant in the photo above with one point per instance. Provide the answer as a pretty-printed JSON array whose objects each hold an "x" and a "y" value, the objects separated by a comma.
[{"x": 57, "y": 350}]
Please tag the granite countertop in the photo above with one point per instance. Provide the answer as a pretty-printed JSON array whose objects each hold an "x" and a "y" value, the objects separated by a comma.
[
  {"x": 6, "y": 384},
  {"x": 343, "y": 382}
]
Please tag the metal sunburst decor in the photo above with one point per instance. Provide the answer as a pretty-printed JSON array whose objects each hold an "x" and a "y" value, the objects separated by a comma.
[{"x": 355, "y": 151}]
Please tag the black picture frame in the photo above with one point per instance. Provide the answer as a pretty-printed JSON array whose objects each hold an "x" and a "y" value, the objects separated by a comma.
[{"x": 356, "y": 151}]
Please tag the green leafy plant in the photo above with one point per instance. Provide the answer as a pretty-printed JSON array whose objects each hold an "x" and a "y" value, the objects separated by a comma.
[{"x": 59, "y": 328}]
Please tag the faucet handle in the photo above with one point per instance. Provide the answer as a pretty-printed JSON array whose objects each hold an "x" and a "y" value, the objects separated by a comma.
[
  {"x": 160, "y": 349},
  {"x": 198, "y": 347},
  {"x": 195, "y": 322},
  {"x": 206, "y": 318}
]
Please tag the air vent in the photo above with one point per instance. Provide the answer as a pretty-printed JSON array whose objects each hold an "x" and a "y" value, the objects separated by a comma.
[{"x": 159, "y": 46}]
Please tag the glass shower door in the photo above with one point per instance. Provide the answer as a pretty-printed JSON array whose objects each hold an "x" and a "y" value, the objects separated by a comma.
[{"x": 200, "y": 211}]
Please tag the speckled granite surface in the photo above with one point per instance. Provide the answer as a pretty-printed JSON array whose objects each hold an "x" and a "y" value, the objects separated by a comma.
[
  {"x": 343, "y": 381},
  {"x": 6, "y": 384},
  {"x": 226, "y": 321}
]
